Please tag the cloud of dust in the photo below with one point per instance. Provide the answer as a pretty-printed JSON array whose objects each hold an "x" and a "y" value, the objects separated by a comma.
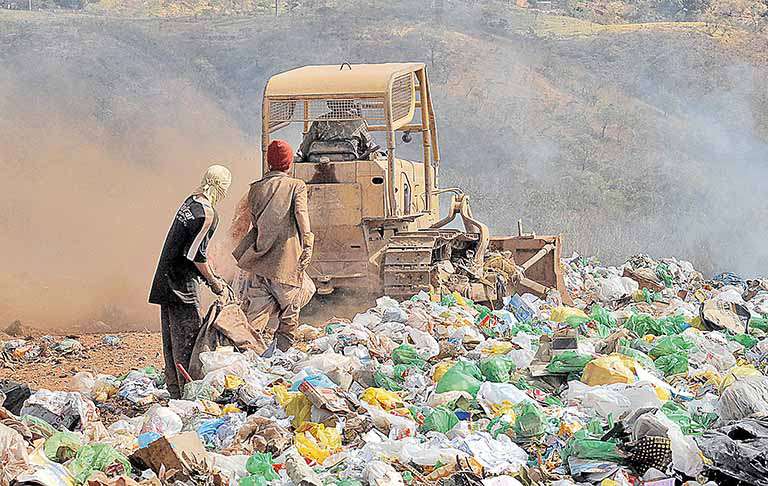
[{"x": 88, "y": 199}]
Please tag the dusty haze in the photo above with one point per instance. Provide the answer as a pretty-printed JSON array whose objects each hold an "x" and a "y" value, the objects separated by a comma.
[
  {"x": 640, "y": 141},
  {"x": 88, "y": 201}
]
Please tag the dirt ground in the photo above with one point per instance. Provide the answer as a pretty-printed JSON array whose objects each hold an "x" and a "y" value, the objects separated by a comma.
[
  {"x": 53, "y": 371},
  {"x": 136, "y": 350}
]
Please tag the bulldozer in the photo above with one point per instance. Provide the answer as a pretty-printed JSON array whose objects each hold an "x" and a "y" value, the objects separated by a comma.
[{"x": 376, "y": 217}]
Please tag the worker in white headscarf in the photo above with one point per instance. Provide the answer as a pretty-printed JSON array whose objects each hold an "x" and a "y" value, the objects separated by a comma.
[{"x": 182, "y": 266}]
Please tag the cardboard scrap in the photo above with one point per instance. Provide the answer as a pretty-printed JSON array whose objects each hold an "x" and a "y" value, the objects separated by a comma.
[{"x": 183, "y": 453}]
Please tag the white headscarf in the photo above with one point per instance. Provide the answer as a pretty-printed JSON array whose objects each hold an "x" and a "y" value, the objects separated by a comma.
[{"x": 215, "y": 183}]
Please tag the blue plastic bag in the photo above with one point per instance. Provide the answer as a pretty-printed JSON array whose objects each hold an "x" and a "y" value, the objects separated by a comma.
[{"x": 318, "y": 381}]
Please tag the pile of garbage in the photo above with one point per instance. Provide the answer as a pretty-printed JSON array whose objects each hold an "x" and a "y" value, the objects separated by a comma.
[
  {"x": 653, "y": 376},
  {"x": 18, "y": 351}
]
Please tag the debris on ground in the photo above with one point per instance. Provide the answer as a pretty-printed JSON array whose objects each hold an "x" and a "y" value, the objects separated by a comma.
[{"x": 654, "y": 376}]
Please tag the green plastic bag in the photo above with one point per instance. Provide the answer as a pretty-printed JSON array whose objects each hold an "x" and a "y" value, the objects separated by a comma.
[
  {"x": 97, "y": 457},
  {"x": 407, "y": 355},
  {"x": 463, "y": 376},
  {"x": 577, "y": 321},
  {"x": 672, "y": 364},
  {"x": 606, "y": 323},
  {"x": 199, "y": 390},
  {"x": 643, "y": 324},
  {"x": 594, "y": 449},
  {"x": 401, "y": 371},
  {"x": 568, "y": 362},
  {"x": 759, "y": 323},
  {"x": 649, "y": 296},
  {"x": 638, "y": 356},
  {"x": 38, "y": 426},
  {"x": 441, "y": 419},
  {"x": 681, "y": 416},
  {"x": 448, "y": 300},
  {"x": 602, "y": 316},
  {"x": 529, "y": 421},
  {"x": 499, "y": 425},
  {"x": 497, "y": 368},
  {"x": 252, "y": 481},
  {"x": 260, "y": 467},
  {"x": 62, "y": 446},
  {"x": 526, "y": 328},
  {"x": 346, "y": 482},
  {"x": 667, "y": 345},
  {"x": 745, "y": 340},
  {"x": 386, "y": 382},
  {"x": 662, "y": 271}
]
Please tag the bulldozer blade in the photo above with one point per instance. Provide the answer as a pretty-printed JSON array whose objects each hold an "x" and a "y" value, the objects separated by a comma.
[{"x": 539, "y": 259}]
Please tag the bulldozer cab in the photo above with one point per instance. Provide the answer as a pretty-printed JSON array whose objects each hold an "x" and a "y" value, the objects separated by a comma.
[
  {"x": 385, "y": 99},
  {"x": 375, "y": 214}
]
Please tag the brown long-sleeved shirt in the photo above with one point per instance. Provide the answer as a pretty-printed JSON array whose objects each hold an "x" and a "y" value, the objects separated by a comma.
[{"x": 280, "y": 219}]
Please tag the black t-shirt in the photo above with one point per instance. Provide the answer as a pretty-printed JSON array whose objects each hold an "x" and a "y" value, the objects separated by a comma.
[{"x": 176, "y": 279}]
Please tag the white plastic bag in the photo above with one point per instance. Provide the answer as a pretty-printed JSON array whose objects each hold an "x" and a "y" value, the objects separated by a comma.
[
  {"x": 493, "y": 395},
  {"x": 686, "y": 455},
  {"x": 397, "y": 427},
  {"x": 379, "y": 473},
  {"x": 186, "y": 409},
  {"x": 521, "y": 357},
  {"x": 13, "y": 454},
  {"x": 496, "y": 455},
  {"x": 711, "y": 349},
  {"x": 161, "y": 420},
  {"x": 83, "y": 383},
  {"x": 232, "y": 467},
  {"x": 437, "y": 399},
  {"x": 614, "y": 287},
  {"x": 411, "y": 449},
  {"x": 426, "y": 346},
  {"x": 614, "y": 399},
  {"x": 501, "y": 481},
  {"x": 467, "y": 334},
  {"x": 223, "y": 358}
]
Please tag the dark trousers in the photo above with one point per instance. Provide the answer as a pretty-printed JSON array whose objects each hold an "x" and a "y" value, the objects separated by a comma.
[{"x": 181, "y": 323}]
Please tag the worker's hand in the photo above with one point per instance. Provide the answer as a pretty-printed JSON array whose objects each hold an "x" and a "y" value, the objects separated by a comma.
[
  {"x": 217, "y": 286},
  {"x": 305, "y": 259}
]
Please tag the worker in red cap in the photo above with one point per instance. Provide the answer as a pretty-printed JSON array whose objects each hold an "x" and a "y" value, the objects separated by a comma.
[{"x": 277, "y": 250}]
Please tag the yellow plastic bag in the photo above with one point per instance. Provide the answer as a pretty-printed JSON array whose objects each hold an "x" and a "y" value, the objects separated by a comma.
[
  {"x": 459, "y": 299},
  {"x": 102, "y": 391},
  {"x": 230, "y": 408},
  {"x": 568, "y": 429},
  {"x": 232, "y": 382},
  {"x": 317, "y": 442},
  {"x": 440, "y": 369},
  {"x": 696, "y": 323},
  {"x": 295, "y": 404},
  {"x": 211, "y": 408},
  {"x": 664, "y": 394},
  {"x": 506, "y": 408},
  {"x": 499, "y": 348},
  {"x": 606, "y": 370},
  {"x": 560, "y": 314},
  {"x": 736, "y": 373},
  {"x": 382, "y": 398},
  {"x": 708, "y": 376}
]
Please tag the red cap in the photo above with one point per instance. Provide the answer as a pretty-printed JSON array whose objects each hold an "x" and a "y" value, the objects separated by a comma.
[{"x": 279, "y": 155}]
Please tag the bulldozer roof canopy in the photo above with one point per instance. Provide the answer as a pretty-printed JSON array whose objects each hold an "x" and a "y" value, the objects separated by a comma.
[{"x": 325, "y": 81}]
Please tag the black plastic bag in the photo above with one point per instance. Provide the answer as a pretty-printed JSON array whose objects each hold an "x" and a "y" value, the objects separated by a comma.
[{"x": 739, "y": 450}]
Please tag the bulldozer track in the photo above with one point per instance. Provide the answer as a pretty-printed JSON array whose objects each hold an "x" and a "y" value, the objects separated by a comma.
[{"x": 411, "y": 259}]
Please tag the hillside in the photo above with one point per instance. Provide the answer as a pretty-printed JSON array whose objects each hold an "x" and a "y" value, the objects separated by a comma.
[{"x": 630, "y": 133}]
